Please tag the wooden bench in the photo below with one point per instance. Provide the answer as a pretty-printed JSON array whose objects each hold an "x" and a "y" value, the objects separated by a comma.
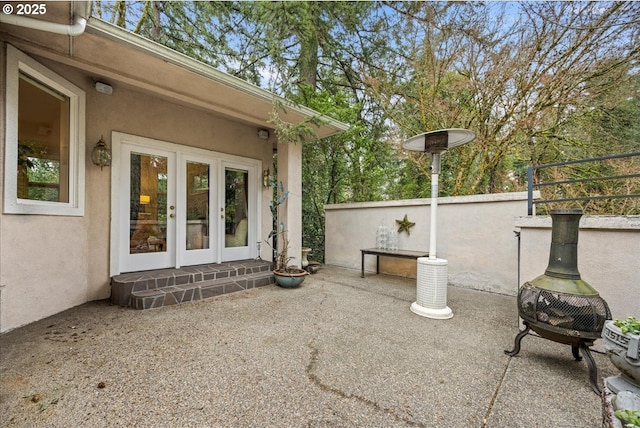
[{"x": 403, "y": 254}]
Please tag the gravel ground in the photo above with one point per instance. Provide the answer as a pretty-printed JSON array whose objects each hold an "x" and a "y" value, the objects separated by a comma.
[{"x": 338, "y": 352}]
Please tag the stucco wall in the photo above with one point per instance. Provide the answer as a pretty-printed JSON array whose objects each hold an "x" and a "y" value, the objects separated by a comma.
[
  {"x": 476, "y": 235},
  {"x": 51, "y": 263}
]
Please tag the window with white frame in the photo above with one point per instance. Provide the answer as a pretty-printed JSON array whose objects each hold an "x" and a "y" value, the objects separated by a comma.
[{"x": 44, "y": 141}]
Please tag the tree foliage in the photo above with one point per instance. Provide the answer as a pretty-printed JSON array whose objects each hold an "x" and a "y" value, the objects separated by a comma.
[
  {"x": 517, "y": 80},
  {"x": 537, "y": 82}
]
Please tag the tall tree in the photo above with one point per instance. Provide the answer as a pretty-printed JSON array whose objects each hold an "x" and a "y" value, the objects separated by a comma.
[
  {"x": 530, "y": 78},
  {"x": 514, "y": 78}
]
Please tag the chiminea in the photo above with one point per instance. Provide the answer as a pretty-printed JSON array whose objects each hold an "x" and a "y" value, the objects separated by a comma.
[{"x": 559, "y": 305}]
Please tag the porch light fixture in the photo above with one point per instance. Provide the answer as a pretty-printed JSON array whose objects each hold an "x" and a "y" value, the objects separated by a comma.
[
  {"x": 101, "y": 155},
  {"x": 431, "y": 301},
  {"x": 265, "y": 177},
  {"x": 104, "y": 88},
  {"x": 263, "y": 134}
]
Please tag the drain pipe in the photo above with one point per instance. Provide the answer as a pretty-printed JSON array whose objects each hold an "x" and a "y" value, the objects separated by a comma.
[{"x": 75, "y": 29}]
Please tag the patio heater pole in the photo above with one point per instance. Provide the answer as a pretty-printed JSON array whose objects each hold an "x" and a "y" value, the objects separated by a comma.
[
  {"x": 435, "y": 171},
  {"x": 431, "y": 295}
]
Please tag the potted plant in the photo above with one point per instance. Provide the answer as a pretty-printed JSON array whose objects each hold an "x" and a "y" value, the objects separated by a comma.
[
  {"x": 286, "y": 276},
  {"x": 630, "y": 418},
  {"x": 286, "y": 133},
  {"x": 622, "y": 343}
]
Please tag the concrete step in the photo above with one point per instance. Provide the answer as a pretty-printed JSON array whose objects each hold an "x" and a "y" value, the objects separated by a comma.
[
  {"x": 184, "y": 293},
  {"x": 172, "y": 286}
]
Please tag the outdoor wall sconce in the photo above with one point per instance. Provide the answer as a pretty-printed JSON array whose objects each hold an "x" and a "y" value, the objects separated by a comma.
[
  {"x": 263, "y": 134},
  {"x": 265, "y": 177},
  {"x": 104, "y": 88},
  {"x": 101, "y": 155}
]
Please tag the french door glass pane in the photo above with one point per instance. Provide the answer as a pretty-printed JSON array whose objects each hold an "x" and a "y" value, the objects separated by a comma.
[
  {"x": 148, "y": 204},
  {"x": 197, "y": 206},
  {"x": 236, "y": 207}
]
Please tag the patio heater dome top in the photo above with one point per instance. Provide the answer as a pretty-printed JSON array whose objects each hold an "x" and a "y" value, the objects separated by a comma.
[{"x": 439, "y": 141}]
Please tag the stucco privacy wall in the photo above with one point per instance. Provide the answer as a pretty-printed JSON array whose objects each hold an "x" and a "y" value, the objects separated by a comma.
[
  {"x": 608, "y": 257},
  {"x": 51, "y": 263},
  {"x": 475, "y": 234}
]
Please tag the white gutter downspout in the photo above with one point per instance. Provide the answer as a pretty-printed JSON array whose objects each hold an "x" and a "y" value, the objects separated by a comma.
[{"x": 75, "y": 29}]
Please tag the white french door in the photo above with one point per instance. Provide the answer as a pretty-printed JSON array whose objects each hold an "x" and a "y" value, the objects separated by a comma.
[
  {"x": 178, "y": 206},
  {"x": 198, "y": 188},
  {"x": 147, "y": 208},
  {"x": 239, "y": 218}
]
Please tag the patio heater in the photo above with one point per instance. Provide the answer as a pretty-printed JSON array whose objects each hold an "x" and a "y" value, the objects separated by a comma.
[{"x": 431, "y": 299}]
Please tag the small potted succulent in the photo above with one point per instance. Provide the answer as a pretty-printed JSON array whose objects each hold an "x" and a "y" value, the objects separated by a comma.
[
  {"x": 622, "y": 343},
  {"x": 629, "y": 418}
]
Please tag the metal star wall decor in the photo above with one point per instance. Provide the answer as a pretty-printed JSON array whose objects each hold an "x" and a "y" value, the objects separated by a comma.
[{"x": 404, "y": 225}]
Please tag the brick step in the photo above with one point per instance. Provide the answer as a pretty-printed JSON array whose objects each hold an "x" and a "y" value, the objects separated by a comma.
[
  {"x": 181, "y": 282},
  {"x": 191, "y": 292}
]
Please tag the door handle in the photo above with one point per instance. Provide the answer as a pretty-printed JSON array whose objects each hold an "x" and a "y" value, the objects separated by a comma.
[
  {"x": 172, "y": 207},
  {"x": 172, "y": 215}
]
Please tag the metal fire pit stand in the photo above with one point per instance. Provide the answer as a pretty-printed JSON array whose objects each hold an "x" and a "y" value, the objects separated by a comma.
[
  {"x": 579, "y": 346},
  {"x": 431, "y": 301}
]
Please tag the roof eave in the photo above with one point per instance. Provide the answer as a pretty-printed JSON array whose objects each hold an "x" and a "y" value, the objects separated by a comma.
[{"x": 109, "y": 31}]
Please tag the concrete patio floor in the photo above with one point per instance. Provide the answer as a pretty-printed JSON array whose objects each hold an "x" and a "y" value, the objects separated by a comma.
[{"x": 340, "y": 351}]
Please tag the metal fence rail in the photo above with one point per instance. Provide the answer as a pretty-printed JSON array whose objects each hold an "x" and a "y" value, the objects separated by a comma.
[{"x": 531, "y": 185}]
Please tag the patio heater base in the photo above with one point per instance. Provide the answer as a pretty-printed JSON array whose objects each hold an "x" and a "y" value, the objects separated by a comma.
[
  {"x": 431, "y": 299},
  {"x": 438, "y": 314}
]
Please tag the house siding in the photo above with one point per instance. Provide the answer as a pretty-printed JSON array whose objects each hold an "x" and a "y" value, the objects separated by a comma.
[{"x": 51, "y": 263}]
